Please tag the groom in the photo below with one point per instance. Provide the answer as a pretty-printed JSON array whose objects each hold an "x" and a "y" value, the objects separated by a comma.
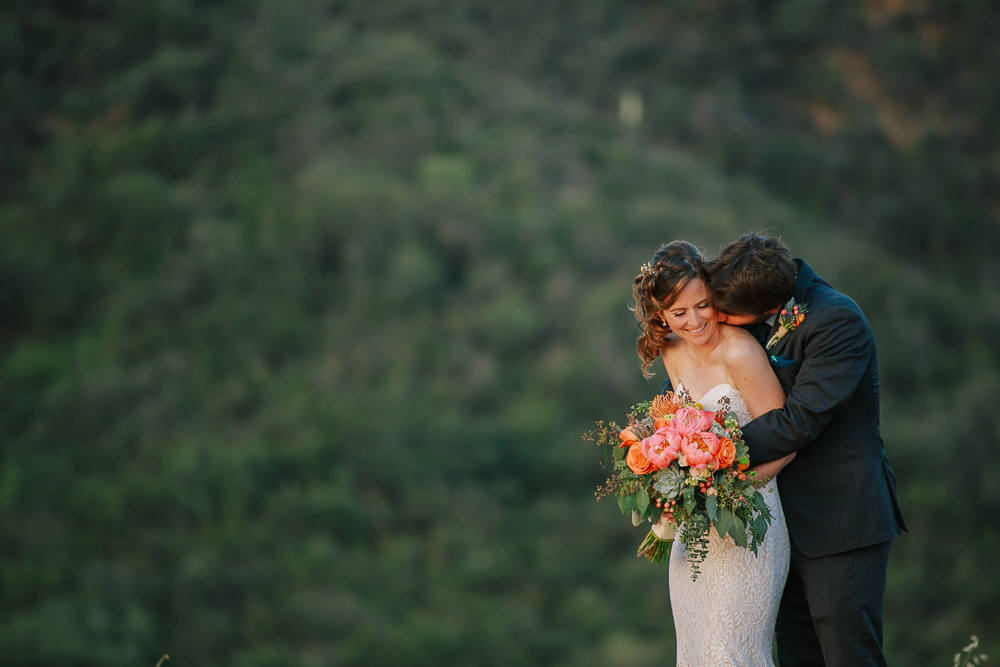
[{"x": 839, "y": 492}]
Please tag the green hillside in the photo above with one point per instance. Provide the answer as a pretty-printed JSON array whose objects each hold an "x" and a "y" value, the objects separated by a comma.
[{"x": 306, "y": 304}]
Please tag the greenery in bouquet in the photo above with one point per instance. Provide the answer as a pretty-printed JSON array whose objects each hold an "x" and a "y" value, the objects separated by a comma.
[{"x": 683, "y": 468}]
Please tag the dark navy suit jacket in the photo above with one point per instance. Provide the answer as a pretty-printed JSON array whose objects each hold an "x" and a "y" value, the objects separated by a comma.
[{"x": 839, "y": 493}]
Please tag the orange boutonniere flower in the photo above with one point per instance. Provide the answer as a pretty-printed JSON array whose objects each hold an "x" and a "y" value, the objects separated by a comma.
[{"x": 789, "y": 319}]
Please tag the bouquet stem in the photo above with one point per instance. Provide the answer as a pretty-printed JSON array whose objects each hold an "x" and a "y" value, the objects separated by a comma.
[{"x": 654, "y": 549}]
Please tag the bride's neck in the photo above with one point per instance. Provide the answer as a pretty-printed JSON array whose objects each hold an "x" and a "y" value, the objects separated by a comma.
[{"x": 704, "y": 351}]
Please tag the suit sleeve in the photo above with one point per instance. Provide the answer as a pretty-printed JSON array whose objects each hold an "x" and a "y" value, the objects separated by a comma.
[{"x": 834, "y": 361}]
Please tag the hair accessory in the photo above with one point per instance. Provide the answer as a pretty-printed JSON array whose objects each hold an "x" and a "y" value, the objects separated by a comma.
[{"x": 647, "y": 269}]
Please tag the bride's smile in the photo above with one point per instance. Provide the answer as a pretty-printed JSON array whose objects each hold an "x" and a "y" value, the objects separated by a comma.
[{"x": 691, "y": 315}]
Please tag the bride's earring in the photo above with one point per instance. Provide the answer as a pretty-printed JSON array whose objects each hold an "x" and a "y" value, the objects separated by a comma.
[{"x": 663, "y": 319}]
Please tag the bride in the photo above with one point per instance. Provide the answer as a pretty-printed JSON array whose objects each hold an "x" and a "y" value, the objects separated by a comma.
[{"x": 727, "y": 616}]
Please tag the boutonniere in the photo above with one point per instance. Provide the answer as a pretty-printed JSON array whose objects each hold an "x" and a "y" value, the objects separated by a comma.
[{"x": 789, "y": 319}]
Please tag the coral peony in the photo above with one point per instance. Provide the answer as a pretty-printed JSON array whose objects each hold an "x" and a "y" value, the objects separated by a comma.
[
  {"x": 692, "y": 420},
  {"x": 700, "y": 450},
  {"x": 659, "y": 450},
  {"x": 637, "y": 462}
]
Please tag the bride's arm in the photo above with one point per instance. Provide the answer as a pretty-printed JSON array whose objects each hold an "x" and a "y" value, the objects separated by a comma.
[{"x": 747, "y": 367}]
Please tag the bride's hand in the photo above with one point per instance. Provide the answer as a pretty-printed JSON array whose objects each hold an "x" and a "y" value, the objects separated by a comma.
[{"x": 767, "y": 471}]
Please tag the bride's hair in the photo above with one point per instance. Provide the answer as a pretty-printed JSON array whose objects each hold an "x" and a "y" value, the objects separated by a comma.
[{"x": 674, "y": 265}]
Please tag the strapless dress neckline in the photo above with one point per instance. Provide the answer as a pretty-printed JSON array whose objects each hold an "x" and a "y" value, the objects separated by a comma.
[{"x": 681, "y": 389}]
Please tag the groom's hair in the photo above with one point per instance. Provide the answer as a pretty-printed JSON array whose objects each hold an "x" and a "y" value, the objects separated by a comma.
[{"x": 752, "y": 275}]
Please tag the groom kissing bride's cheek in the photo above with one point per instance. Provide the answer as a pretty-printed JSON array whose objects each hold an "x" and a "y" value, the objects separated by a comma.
[{"x": 759, "y": 334}]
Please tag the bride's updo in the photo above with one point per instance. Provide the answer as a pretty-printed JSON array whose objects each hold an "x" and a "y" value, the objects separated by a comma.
[{"x": 674, "y": 265}]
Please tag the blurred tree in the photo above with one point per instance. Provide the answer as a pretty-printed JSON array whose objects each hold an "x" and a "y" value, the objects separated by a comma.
[{"x": 305, "y": 305}]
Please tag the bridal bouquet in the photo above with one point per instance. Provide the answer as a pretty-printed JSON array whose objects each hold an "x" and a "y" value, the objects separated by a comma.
[{"x": 678, "y": 465}]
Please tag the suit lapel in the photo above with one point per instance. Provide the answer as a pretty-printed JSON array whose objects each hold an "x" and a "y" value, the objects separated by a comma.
[{"x": 804, "y": 280}]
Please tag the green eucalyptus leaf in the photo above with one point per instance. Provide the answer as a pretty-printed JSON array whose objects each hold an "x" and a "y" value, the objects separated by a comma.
[
  {"x": 761, "y": 505},
  {"x": 739, "y": 532},
  {"x": 723, "y": 522},
  {"x": 689, "y": 501},
  {"x": 621, "y": 503},
  {"x": 642, "y": 501},
  {"x": 760, "y": 527},
  {"x": 712, "y": 507}
]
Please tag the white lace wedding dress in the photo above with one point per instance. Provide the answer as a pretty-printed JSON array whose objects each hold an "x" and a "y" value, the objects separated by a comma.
[{"x": 727, "y": 616}]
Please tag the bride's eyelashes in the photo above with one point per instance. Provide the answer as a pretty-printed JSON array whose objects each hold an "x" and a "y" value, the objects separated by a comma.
[{"x": 680, "y": 313}]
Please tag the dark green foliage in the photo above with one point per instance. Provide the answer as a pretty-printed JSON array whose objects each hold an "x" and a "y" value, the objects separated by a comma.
[{"x": 305, "y": 304}]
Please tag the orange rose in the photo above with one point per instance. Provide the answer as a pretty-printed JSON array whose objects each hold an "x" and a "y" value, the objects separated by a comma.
[
  {"x": 659, "y": 422},
  {"x": 627, "y": 437},
  {"x": 727, "y": 453},
  {"x": 637, "y": 461}
]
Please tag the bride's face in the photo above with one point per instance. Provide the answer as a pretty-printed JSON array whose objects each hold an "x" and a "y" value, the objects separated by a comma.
[{"x": 691, "y": 315}]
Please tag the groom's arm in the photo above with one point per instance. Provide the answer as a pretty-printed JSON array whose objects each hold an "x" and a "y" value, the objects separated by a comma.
[{"x": 834, "y": 362}]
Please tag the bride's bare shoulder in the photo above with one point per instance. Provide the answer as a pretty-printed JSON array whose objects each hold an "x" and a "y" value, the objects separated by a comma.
[{"x": 740, "y": 348}]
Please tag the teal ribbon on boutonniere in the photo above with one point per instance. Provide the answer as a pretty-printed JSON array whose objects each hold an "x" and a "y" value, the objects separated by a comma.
[{"x": 789, "y": 319}]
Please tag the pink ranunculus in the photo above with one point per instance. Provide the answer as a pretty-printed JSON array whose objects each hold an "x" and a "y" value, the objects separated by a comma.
[
  {"x": 658, "y": 450},
  {"x": 701, "y": 450}
]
